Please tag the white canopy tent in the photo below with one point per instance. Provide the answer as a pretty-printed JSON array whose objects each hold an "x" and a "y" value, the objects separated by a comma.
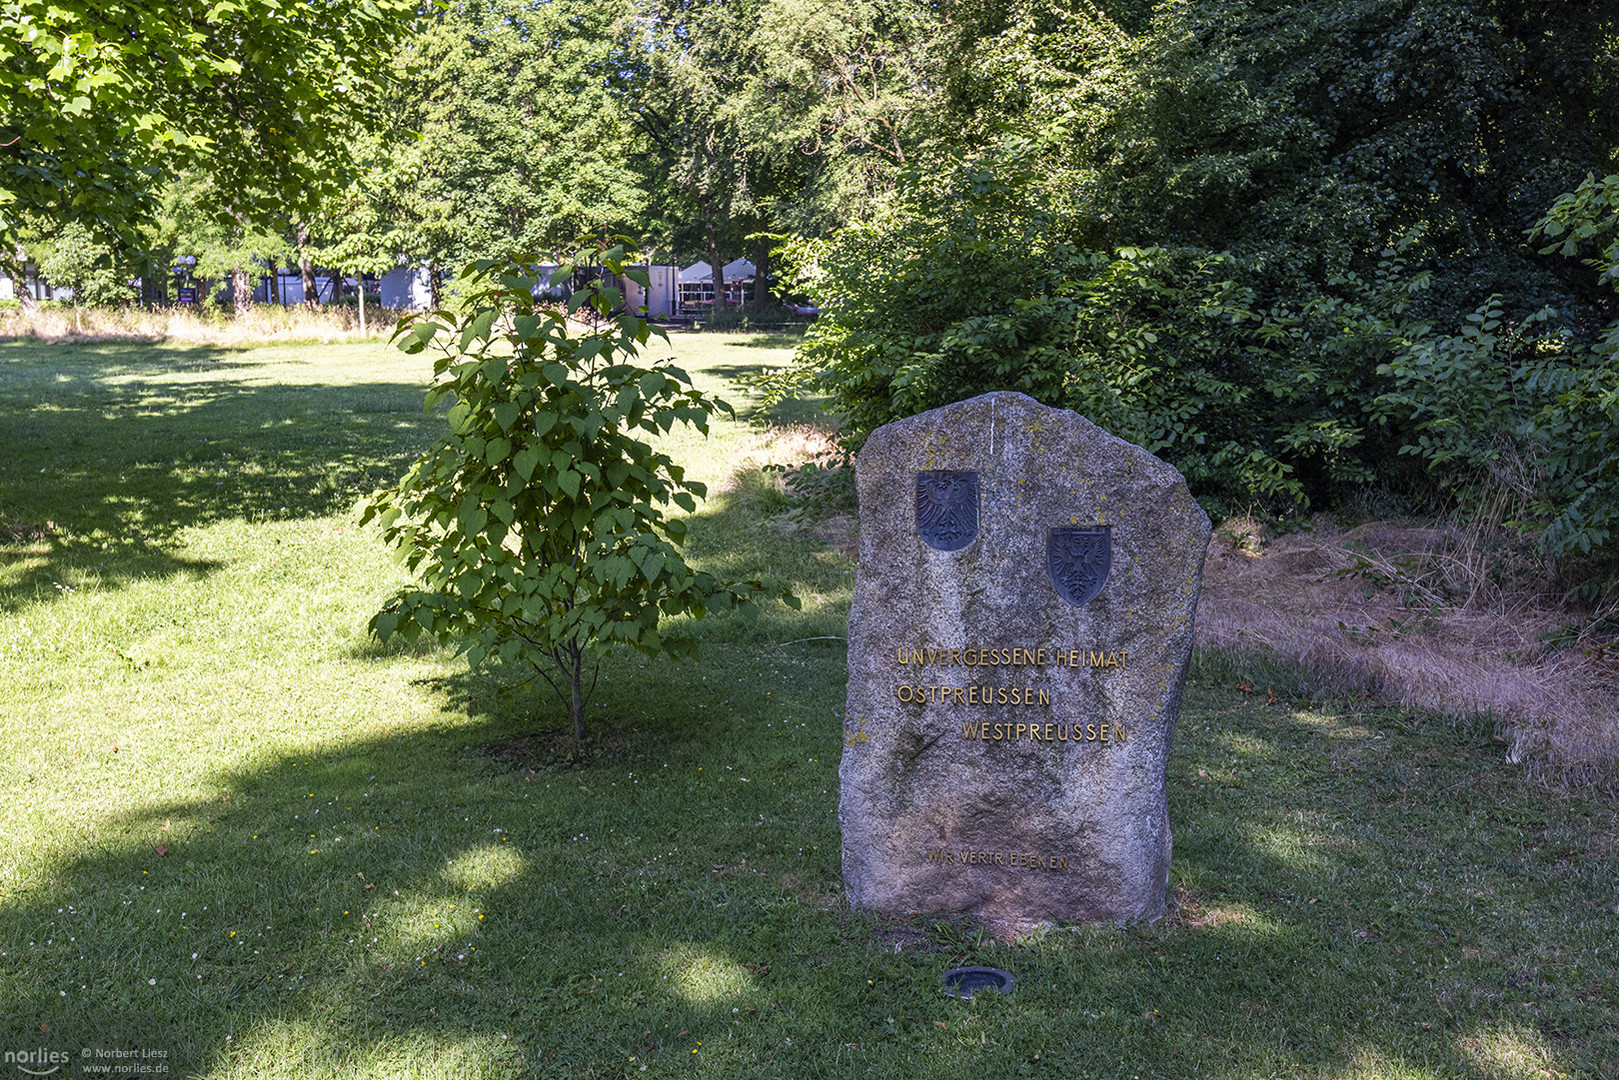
[{"x": 697, "y": 285}]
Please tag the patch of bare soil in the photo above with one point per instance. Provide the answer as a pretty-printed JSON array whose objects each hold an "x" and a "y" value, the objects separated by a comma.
[{"x": 1423, "y": 616}]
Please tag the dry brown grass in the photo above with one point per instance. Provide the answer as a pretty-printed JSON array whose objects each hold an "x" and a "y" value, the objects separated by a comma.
[
  {"x": 262, "y": 323},
  {"x": 1424, "y": 616},
  {"x": 789, "y": 445}
]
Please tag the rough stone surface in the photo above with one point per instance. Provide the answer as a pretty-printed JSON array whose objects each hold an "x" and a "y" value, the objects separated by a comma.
[{"x": 1032, "y": 822}]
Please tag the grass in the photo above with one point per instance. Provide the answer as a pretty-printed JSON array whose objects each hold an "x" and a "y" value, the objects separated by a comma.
[{"x": 240, "y": 832}]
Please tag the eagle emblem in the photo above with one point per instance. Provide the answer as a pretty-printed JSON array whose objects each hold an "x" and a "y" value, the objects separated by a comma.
[
  {"x": 947, "y": 509},
  {"x": 1078, "y": 561}
]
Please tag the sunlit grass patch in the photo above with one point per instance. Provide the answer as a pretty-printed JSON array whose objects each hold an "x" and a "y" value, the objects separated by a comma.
[{"x": 238, "y": 829}]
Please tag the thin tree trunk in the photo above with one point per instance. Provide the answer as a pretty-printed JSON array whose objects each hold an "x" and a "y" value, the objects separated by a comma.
[
  {"x": 360, "y": 277},
  {"x": 240, "y": 292},
  {"x": 715, "y": 262},
  {"x": 306, "y": 271},
  {"x": 275, "y": 282},
  {"x": 718, "y": 270},
  {"x": 761, "y": 260},
  {"x": 435, "y": 288},
  {"x": 577, "y": 709}
]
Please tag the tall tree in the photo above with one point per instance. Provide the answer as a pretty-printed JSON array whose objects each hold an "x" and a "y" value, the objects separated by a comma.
[
  {"x": 523, "y": 145},
  {"x": 839, "y": 86},
  {"x": 1243, "y": 208},
  {"x": 689, "y": 62},
  {"x": 194, "y": 222},
  {"x": 99, "y": 101}
]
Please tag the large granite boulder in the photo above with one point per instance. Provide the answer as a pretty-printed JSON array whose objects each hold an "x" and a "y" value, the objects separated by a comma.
[{"x": 1021, "y": 627}]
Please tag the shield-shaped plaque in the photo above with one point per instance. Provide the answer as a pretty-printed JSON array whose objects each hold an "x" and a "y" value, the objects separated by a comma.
[
  {"x": 1078, "y": 561},
  {"x": 947, "y": 509}
]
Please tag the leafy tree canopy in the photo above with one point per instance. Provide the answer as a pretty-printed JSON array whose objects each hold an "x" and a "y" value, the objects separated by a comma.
[
  {"x": 523, "y": 145},
  {"x": 98, "y": 99}
]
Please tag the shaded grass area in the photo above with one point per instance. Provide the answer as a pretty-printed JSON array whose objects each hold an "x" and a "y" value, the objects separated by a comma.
[
  {"x": 239, "y": 831},
  {"x": 112, "y": 451}
]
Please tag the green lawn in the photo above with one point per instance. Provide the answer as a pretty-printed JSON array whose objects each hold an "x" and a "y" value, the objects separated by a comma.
[{"x": 239, "y": 832}]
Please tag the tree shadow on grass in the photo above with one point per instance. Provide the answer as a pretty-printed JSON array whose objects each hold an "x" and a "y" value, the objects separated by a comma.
[
  {"x": 809, "y": 409},
  {"x": 774, "y": 339},
  {"x": 112, "y": 452},
  {"x": 409, "y": 903}
]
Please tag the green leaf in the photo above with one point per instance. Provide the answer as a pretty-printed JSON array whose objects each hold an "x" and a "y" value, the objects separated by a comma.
[
  {"x": 526, "y": 461},
  {"x": 506, "y": 414}
]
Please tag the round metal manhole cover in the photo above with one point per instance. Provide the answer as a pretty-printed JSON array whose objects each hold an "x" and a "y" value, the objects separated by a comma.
[{"x": 964, "y": 982}]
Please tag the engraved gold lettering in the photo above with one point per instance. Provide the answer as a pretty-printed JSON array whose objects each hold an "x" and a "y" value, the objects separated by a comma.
[
  {"x": 1104, "y": 733},
  {"x": 955, "y": 657},
  {"x": 1045, "y": 697},
  {"x": 1118, "y": 732},
  {"x": 1048, "y": 731},
  {"x": 1017, "y": 859},
  {"x": 1000, "y": 695},
  {"x": 1021, "y": 728},
  {"x": 1096, "y": 660},
  {"x": 969, "y": 730},
  {"x": 903, "y": 693},
  {"x": 1006, "y": 656},
  {"x": 959, "y": 696},
  {"x": 1040, "y": 656},
  {"x": 1090, "y": 732},
  {"x": 1062, "y": 732}
]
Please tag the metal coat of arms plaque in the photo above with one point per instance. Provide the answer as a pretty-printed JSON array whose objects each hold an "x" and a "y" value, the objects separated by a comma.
[
  {"x": 1078, "y": 561},
  {"x": 947, "y": 509}
]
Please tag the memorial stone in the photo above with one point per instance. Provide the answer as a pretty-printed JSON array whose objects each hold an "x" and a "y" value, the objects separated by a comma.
[{"x": 1021, "y": 627}]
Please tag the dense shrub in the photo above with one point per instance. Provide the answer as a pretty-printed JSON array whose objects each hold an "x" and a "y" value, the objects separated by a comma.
[{"x": 956, "y": 292}]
